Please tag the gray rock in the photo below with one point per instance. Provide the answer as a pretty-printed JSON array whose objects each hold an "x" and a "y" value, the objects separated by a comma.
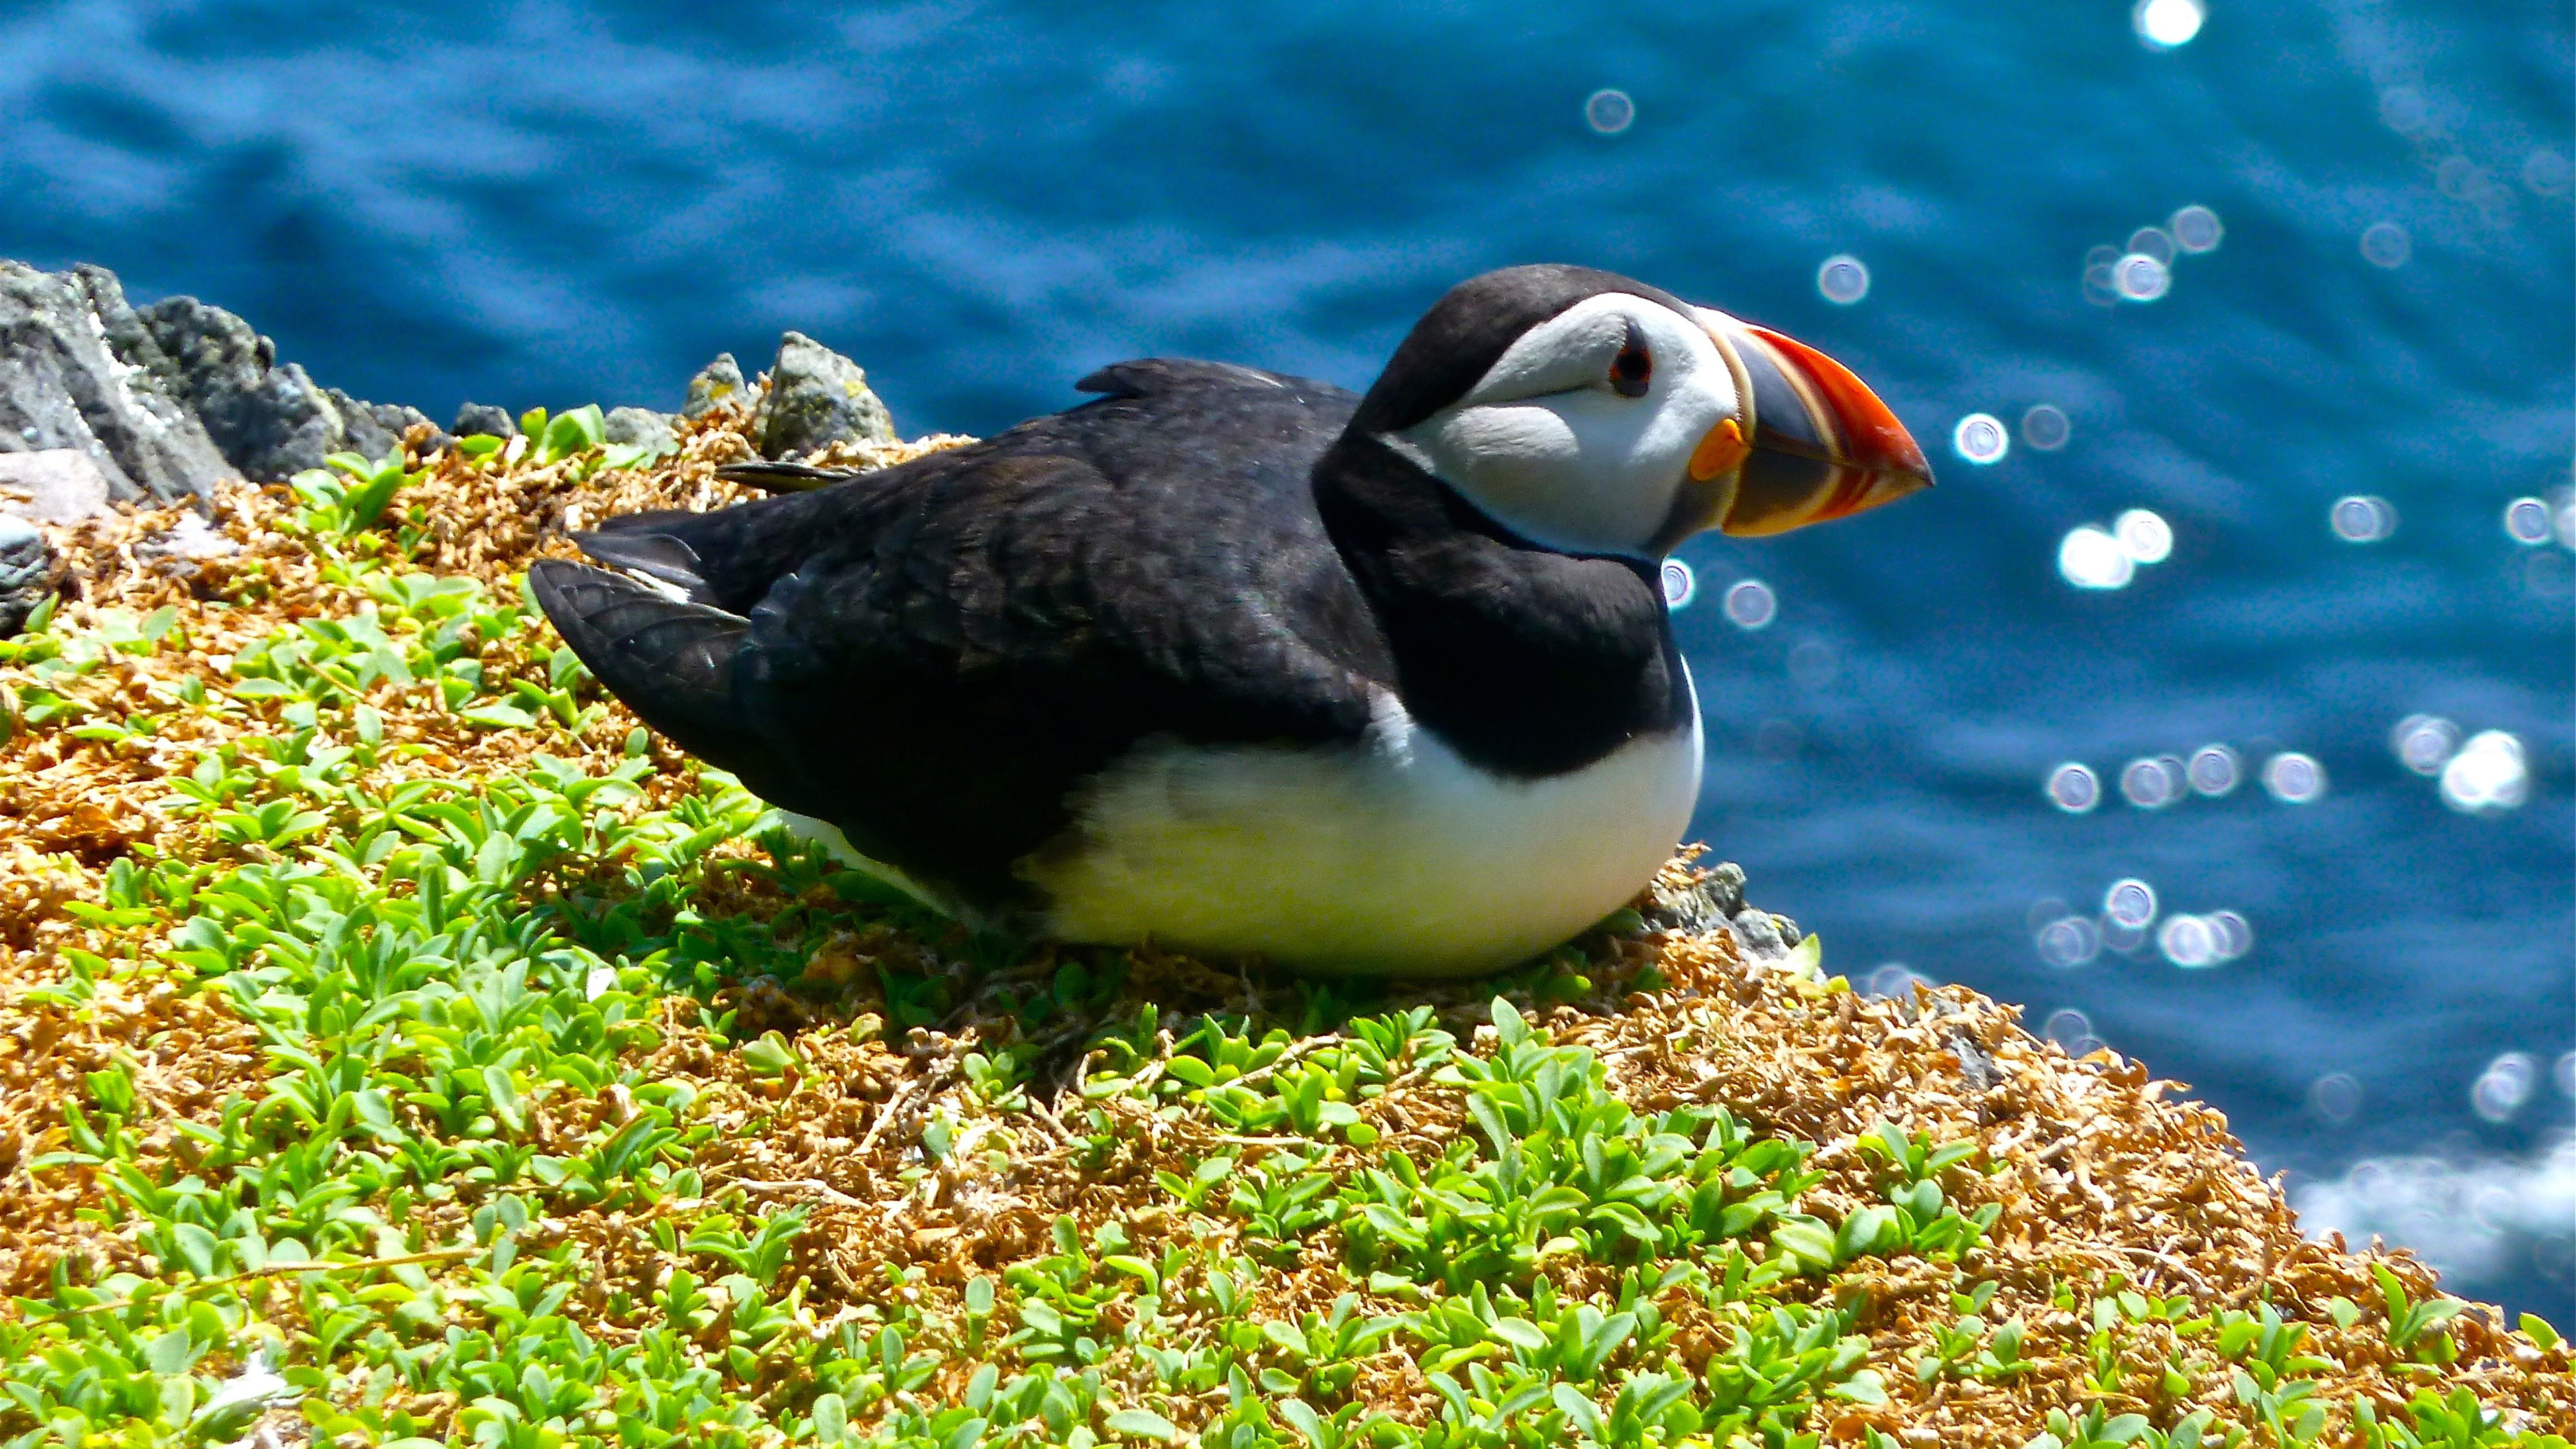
[
  {"x": 269, "y": 420},
  {"x": 484, "y": 420},
  {"x": 816, "y": 396},
  {"x": 28, "y": 571},
  {"x": 79, "y": 371},
  {"x": 1707, "y": 905},
  {"x": 376, "y": 429},
  {"x": 641, "y": 428},
  {"x": 718, "y": 384},
  {"x": 58, "y": 485}
]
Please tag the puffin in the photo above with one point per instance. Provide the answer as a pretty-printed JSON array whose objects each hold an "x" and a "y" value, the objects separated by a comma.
[{"x": 1240, "y": 664}]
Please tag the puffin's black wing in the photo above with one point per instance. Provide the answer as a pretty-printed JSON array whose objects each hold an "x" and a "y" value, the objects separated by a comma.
[{"x": 935, "y": 656}]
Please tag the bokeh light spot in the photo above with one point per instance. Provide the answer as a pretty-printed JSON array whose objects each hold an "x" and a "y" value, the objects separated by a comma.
[
  {"x": 2151, "y": 784},
  {"x": 2386, "y": 244},
  {"x": 2214, "y": 770},
  {"x": 1843, "y": 280},
  {"x": 1609, "y": 111},
  {"x": 2145, "y": 535},
  {"x": 2335, "y": 1097},
  {"x": 2526, "y": 521},
  {"x": 2503, "y": 1087},
  {"x": 2092, "y": 559},
  {"x": 2424, "y": 742},
  {"x": 2069, "y": 942},
  {"x": 2140, "y": 277},
  {"x": 2073, "y": 788},
  {"x": 2196, "y": 229},
  {"x": 2046, "y": 428},
  {"x": 1751, "y": 604},
  {"x": 1980, "y": 438},
  {"x": 2164, "y": 24},
  {"x": 2488, "y": 776},
  {"x": 1680, "y": 584},
  {"x": 2130, "y": 903},
  {"x": 2362, "y": 518},
  {"x": 2188, "y": 942},
  {"x": 2294, "y": 778}
]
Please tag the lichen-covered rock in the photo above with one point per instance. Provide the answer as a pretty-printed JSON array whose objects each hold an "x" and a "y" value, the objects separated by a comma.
[
  {"x": 484, "y": 420},
  {"x": 718, "y": 384},
  {"x": 77, "y": 372},
  {"x": 816, "y": 397},
  {"x": 28, "y": 569},
  {"x": 641, "y": 428}
]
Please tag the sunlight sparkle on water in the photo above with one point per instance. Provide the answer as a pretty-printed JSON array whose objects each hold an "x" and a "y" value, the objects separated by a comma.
[
  {"x": 2424, "y": 742},
  {"x": 1843, "y": 279},
  {"x": 2092, "y": 559},
  {"x": 1680, "y": 584},
  {"x": 2164, "y": 24},
  {"x": 2488, "y": 776},
  {"x": 1980, "y": 438},
  {"x": 2046, "y": 428},
  {"x": 2362, "y": 518},
  {"x": 2504, "y": 1086},
  {"x": 1751, "y": 605},
  {"x": 2196, "y": 229},
  {"x": 2130, "y": 903},
  {"x": 2526, "y": 521},
  {"x": 2146, "y": 535},
  {"x": 2385, "y": 244},
  {"x": 2214, "y": 770},
  {"x": 2069, "y": 941},
  {"x": 2073, "y": 788},
  {"x": 2294, "y": 778},
  {"x": 2152, "y": 784},
  {"x": 2140, "y": 277},
  {"x": 2235, "y": 933},
  {"x": 2188, "y": 942},
  {"x": 1609, "y": 111},
  {"x": 2336, "y": 1097}
]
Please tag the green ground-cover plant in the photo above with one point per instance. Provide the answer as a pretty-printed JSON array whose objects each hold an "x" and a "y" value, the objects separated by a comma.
[{"x": 469, "y": 1175}]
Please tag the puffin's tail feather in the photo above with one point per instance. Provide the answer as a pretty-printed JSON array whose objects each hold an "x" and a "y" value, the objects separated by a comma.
[{"x": 670, "y": 661}]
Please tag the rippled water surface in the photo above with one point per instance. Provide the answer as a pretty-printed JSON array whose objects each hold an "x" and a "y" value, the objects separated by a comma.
[{"x": 2245, "y": 544}]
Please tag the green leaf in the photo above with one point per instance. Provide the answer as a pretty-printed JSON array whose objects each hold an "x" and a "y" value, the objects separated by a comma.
[
  {"x": 504, "y": 1098},
  {"x": 1143, "y": 1424},
  {"x": 498, "y": 717},
  {"x": 197, "y": 1246},
  {"x": 2537, "y": 1329}
]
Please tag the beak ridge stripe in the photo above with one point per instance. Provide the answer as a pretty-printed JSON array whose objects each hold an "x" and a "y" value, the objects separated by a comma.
[{"x": 1722, "y": 451}]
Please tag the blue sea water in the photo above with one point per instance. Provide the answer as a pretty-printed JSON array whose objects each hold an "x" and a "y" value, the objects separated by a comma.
[{"x": 551, "y": 203}]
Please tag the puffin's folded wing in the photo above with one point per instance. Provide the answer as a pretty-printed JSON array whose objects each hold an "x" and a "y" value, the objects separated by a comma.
[{"x": 670, "y": 661}]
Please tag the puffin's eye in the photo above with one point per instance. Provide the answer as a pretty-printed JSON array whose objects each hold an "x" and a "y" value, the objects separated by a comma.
[{"x": 1633, "y": 367}]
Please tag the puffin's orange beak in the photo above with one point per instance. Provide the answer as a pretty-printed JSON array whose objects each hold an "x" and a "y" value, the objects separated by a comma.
[{"x": 1811, "y": 443}]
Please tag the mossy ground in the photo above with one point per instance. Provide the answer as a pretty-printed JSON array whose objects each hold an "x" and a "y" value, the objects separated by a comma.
[{"x": 397, "y": 1044}]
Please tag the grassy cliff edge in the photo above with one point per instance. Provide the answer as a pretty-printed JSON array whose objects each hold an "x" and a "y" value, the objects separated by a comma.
[{"x": 400, "y": 1045}]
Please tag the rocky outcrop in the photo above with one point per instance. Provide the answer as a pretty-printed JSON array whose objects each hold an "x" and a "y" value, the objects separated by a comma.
[
  {"x": 816, "y": 396},
  {"x": 77, "y": 373},
  {"x": 164, "y": 400}
]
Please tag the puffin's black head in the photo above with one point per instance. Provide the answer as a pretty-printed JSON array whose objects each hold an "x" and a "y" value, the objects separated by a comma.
[{"x": 1596, "y": 414}]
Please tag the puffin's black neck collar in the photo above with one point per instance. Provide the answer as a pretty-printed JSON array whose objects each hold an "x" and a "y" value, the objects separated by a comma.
[{"x": 1529, "y": 663}]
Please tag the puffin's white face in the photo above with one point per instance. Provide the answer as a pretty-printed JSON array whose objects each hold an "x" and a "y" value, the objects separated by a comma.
[{"x": 1620, "y": 426}]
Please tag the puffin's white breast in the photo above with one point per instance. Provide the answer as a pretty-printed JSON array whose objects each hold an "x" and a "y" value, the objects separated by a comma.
[{"x": 1393, "y": 855}]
